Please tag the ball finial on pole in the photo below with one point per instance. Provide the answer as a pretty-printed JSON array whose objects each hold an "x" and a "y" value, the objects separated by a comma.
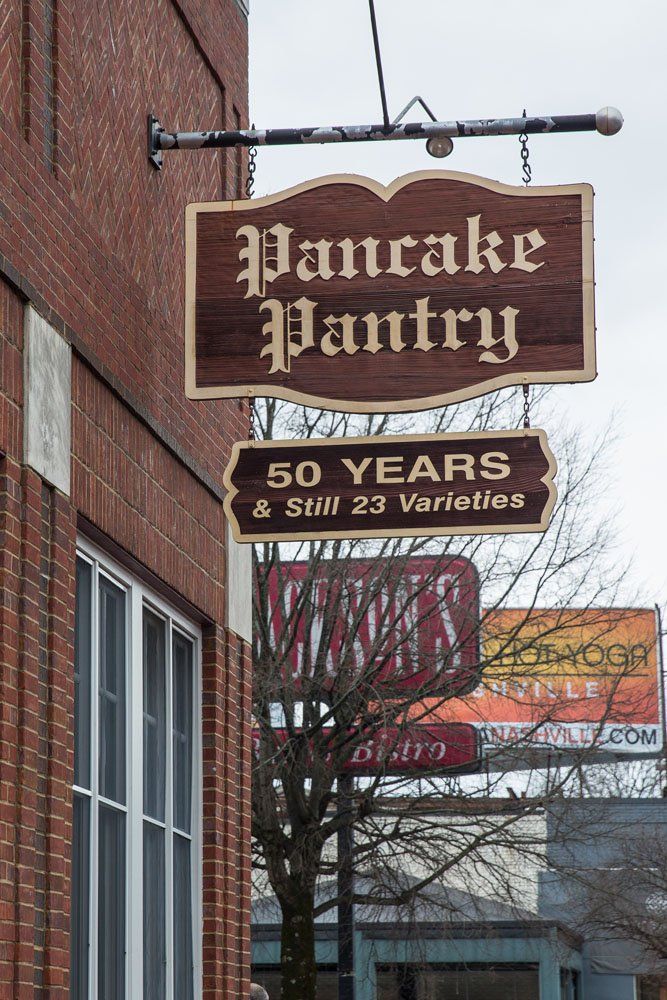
[{"x": 608, "y": 121}]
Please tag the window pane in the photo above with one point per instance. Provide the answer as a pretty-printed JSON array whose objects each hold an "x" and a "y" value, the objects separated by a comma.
[
  {"x": 82, "y": 666},
  {"x": 155, "y": 736},
  {"x": 423, "y": 983},
  {"x": 154, "y": 914},
  {"x": 327, "y": 983},
  {"x": 182, "y": 731},
  {"x": 112, "y": 691},
  {"x": 491, "y": 984},
  {"x": 79, "y": 926},
  {"x": 183, "y": 970},
  {"x": 111, "y": 905}
]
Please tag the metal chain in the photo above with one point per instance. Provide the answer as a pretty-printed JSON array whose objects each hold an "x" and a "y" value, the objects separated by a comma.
[
  {"x": 527, "y": 170},
  {"x": 526, "y": 407},
  {"x": 249, "y": 191},
  {"x": 251, "y": 419},
  {"x": 252, "y": 166},
  {"x": 527, "y": 177}
]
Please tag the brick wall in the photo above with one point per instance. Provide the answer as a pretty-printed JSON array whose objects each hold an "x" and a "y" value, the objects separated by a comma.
[{"x": 92, "y": 236}]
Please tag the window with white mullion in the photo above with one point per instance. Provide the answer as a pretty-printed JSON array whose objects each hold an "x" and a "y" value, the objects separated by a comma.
[
  {"x": 154, "y": 635},
  {"x": 112, "y": 659},
  {"x": 135, "y": 910},
  {"x": 83, "y": 666},
  {"x": 171, "y": 993},
  {"x": 117, "y": 806},
  {"x": 110, "y": 739},
  {"x": 94, "y": 785},
  {"x": 82, "y": 792},
  {"x": 155, "y": 822},
  {"x": 80, "y": 936},
  {"x": 182, "y": 747}
]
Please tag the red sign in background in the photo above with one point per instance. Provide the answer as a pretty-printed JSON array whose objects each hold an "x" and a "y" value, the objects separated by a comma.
[
  {"x": 431, "y": 604},
  {"x": 454, "y": 746}
]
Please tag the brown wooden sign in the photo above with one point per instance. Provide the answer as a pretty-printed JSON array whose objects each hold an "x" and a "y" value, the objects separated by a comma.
[
  {"x": 345, "y": 294},
  {"x": 378, "y": 487}
]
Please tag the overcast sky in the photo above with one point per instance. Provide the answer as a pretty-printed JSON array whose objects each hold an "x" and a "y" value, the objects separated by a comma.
[{"x": 312, "y": 63}]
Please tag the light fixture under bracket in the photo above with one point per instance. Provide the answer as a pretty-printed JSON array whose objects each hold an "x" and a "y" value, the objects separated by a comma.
[{"x": 440, "y": 146}]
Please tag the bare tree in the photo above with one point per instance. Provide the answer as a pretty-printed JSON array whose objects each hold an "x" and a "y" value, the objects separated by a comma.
[
  {"x": 329, "y": 709},
  {"x": 625, "y": 897}
]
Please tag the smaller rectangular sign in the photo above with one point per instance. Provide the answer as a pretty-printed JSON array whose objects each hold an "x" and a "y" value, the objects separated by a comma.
[
  {"x": 451, "y": 747},
  {"x": 388, "y": 486}
]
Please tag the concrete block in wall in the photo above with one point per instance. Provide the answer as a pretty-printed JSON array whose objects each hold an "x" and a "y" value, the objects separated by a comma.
[
  {"x": 239, "y": 588},
  {"x": 47, "y": 381}
]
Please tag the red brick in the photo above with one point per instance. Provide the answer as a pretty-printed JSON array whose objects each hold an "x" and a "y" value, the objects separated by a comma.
[{"x": 94, "y": 237}]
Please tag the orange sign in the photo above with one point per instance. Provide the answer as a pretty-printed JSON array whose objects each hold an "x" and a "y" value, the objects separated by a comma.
[{"x": 567, "y": 679}]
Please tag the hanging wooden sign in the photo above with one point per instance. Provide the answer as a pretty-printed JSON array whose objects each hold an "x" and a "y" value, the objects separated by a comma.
[
  {"x": 378, "y": 487},
  {"x": 347, "y": 295}
]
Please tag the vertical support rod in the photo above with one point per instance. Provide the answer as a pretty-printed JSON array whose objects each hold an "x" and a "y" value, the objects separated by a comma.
[
  {"x": 346, "y": 977},
  {"x": 378, "y": 62},
  {"x": 662, "y": 674}
]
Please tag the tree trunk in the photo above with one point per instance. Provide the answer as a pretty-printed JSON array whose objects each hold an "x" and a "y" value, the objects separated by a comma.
[{"x": 297, "y": 950}]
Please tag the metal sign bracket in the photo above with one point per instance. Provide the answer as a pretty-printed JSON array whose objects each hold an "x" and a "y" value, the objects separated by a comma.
[{"x": 606, "y": 121}]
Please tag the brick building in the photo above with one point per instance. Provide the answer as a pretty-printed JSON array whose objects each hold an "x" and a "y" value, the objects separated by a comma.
[{"x": 124, "y": 663}]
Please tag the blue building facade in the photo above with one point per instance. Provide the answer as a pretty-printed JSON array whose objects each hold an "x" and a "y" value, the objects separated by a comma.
[
  {"x": 459, "y": 946},
  {"x": 501, "y": 962}
]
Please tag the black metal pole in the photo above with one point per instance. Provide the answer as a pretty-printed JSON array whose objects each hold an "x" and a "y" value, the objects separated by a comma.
[
  {"x": 662, "y": 674},
  {"x": 607, "y": 121},
  {"x": 346, "y": 979},
  {"x": 378, "y": 62}
]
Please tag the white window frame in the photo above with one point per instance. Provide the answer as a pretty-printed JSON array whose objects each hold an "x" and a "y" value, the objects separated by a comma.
[{"x": 139, "y": 596}]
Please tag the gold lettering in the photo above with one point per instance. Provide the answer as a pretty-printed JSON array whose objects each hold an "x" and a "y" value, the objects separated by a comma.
[
  {"x": 459, "y": 463},
  {"x": 495, "y": 465},
  {"x": 323, "y": 267},
  {"x": 387, "y": 473},
  {"x": 267, "y": 255},
  {"x": 536, "y": 241},
  {"x": 422, "y": 315},
  {"x": 450, "y": 317},
  {"x": 370, "y": 246},
  {"x": 345, "y": 342},
  {"x": 290, "y": 329},
  {"x": 492, "y": 240},
  {"x": 508, "y": 338},
  {"x": 396, "y": 265},
  {"x": 446, "y": 245},
  {"x": 423, "y": 469},
  {"x": 395, "y": 321},
  {"x": 357, "y": 470}
]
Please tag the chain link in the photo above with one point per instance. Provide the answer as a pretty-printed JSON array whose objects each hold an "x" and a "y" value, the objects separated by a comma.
[
  {"x": 527, "y": 177},
  {"x": 252, "y": 167},
  {"x": 526, "y": 406},
  {"x": 527, "y": 169},
  {"x": 249, "y": 191},
  {"x": 251, "y": 419}
]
